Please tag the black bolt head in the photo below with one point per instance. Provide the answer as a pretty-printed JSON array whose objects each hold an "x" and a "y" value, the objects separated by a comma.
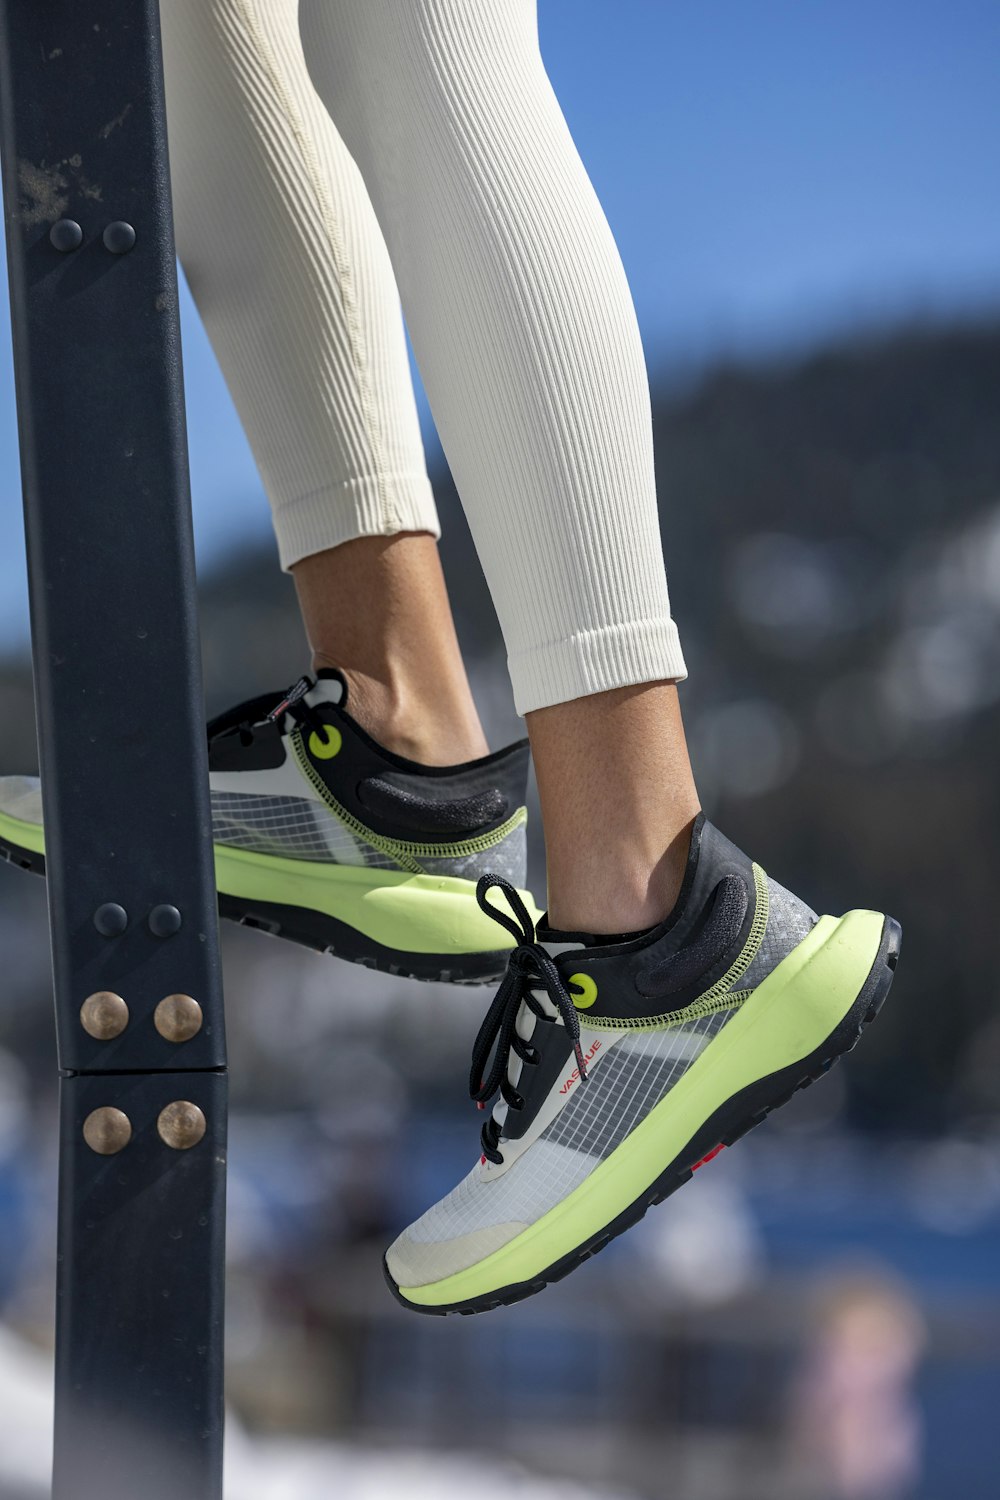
[
  {"x": 119, "y": 237},
  {"x": 111, "y": 919},
  {"x": 164, "y": 921},
  {"x": 66, "y": 235}
]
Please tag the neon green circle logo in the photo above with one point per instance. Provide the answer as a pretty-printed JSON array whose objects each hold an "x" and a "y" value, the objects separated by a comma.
[
  {"x": 329, "y": 746},
  {"x": 586, "y": 984}
]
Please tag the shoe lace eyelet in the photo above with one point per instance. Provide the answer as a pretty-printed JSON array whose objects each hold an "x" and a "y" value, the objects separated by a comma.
[{"x": 327, "y": 745}]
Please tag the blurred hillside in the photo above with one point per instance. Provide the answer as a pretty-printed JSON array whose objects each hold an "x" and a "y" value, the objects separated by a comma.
[
  {"x": 833, "y": 542},
  {"x": 832, "y": 533}
]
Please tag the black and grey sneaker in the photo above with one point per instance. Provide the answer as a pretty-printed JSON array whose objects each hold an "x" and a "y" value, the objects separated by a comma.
[
  {"x": 624, "y": 1063},
  {"x": 325, "y": 837}
]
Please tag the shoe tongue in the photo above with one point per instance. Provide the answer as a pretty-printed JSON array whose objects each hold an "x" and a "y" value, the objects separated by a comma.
[
  {"x": 554, "y": 946},
  {"x": 564, "y": 944},
  {"x": 330, "y": 687},
  {"x": 555, "y": 941}
]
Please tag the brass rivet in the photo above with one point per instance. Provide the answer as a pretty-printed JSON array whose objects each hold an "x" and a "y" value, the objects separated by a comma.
[
  {"x": 104, "y": 1015},
  {"x": 107, "y": 1130},
  {"x": 177, "y": 1018},
  {"x": 181, "y": 1125}
]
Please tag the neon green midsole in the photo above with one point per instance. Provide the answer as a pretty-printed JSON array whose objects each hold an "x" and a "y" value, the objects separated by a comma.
[
  {"x": 788, "y": 1017},
  {"x": 411, "y": 913},
  {"x": 25, "y": 835}
]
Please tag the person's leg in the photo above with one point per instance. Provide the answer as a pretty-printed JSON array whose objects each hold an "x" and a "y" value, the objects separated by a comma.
[
  {"x": 683, "y": 993},
  {"x": 378, "y": 609},
  {"x": 333, "y": 821},
  {"x": 618, "y": 800},
  {"x": 289, "y": 269},
  {"x": 527, "y": 341}
]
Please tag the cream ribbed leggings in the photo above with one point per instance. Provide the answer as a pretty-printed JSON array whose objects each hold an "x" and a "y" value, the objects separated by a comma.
[{"x": 423, "y": 147}]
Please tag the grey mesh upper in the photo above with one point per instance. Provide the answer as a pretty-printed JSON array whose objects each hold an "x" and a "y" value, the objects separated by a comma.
[
  {"x": 789, "y": 920},
  {"x": 634, "y": 1077},
  {"x": 635, "y": 1073},
  {"x": 304, "y": 829}
]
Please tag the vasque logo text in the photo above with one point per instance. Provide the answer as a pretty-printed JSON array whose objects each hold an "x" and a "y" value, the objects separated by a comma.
[{"x": 574, "y": 1076}]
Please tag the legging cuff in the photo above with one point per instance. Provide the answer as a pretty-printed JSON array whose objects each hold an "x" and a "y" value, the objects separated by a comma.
[
  {"x": 592, "y": 661},
  {"x": 376, "y": 505}
]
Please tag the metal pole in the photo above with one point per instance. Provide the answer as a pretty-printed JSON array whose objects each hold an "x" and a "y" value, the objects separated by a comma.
[{"x": 122, "y": 747}]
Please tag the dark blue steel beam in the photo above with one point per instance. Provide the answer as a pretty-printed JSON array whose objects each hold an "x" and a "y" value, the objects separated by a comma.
[{"x": 122, "y": 747}]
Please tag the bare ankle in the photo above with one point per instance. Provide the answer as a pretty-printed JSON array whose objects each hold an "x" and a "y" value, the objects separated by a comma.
[
  {"x": 618, "y": 802},
  {"x": 432, "y": 734},
  {"x": 377, "y": 609},
  {"x": 621, "y": 891}
]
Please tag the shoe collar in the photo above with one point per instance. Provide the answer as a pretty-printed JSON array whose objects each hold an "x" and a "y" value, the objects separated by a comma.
[{"x": 329, "y": 686}]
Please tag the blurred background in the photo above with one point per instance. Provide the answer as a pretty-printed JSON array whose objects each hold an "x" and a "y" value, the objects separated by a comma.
[{"x": 805, "y": 199}]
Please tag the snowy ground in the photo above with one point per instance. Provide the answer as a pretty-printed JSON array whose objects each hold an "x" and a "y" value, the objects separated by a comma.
[{"x": 259, "y": 1470}]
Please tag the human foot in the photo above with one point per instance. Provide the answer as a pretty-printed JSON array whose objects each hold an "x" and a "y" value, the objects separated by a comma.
[
  {"x": 324, "y": 837},
  {"x": 623, "y": 1064}
]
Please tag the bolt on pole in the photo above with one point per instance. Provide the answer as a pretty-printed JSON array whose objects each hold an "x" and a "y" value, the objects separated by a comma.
[{"x": 132, "y": 904}]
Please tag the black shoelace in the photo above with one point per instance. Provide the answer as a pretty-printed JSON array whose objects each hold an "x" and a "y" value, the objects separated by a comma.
[
  {"x": 294, "y": 703},
  {"x": 528, "y": 967}
]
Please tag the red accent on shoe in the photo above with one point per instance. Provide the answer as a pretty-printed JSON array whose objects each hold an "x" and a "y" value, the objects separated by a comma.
[{"x": 713, "y": 1153}]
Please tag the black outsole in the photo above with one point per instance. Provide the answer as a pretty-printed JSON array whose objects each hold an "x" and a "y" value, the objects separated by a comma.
[
  {"x": 24, "y": 859},
  {"x": 325, "y": 934},
  {"x": 736, "y": 1117}
]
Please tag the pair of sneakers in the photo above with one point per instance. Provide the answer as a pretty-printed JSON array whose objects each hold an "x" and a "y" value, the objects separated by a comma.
[{"x": 619, "y": 1064}]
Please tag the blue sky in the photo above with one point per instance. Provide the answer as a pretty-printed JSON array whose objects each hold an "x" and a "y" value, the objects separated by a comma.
[{"x": 773, "y": 170}]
